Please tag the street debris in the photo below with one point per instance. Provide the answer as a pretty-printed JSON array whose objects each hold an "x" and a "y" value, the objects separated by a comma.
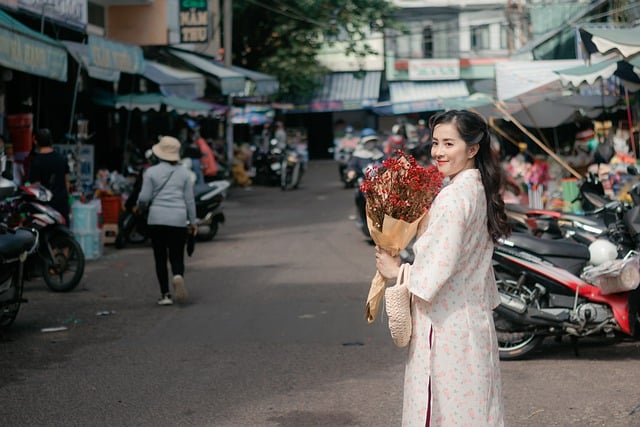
[
  {"x": 105, "y": 313},
  {"x": 54, "y": 329}
]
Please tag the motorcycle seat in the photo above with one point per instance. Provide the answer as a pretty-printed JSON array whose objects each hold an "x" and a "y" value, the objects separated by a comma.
[
  {"x": 550, "y": 248},
  {"x": 13, "y": 244}
]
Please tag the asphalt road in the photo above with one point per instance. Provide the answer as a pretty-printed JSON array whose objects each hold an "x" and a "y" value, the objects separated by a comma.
[{"x": 273, "y": 335}]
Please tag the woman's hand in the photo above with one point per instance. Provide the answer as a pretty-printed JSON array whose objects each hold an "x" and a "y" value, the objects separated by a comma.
[{"x": 388, "y": 266}]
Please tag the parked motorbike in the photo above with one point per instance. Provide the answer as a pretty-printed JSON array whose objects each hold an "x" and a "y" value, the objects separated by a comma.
[
  {"x": 59, "y": 258},
  {"x": 281, "y": 166},
  {"x": 132, "y": 227},
  {"x": 15, "y": 248},
  {"x": 562, "y": 288},
  {"x": 209, "y": 198}
]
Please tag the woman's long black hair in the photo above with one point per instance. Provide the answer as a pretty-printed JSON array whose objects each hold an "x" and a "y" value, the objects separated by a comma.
[{"x": 474, "y": 130}]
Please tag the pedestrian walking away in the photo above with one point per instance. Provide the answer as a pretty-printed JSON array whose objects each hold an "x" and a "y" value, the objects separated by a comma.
[
  {"x": 167, "y": 191},
  {"x": 452, "y": 375}
]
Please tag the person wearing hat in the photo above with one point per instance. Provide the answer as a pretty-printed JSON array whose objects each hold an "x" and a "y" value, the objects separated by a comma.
[{"x": 167, "y": 190}]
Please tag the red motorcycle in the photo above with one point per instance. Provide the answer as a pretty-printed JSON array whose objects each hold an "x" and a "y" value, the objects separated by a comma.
[{"x": 555, "y": 288}]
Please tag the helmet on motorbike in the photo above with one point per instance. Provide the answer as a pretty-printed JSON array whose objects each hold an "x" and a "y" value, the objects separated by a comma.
[{"x": 602, "y": 251}]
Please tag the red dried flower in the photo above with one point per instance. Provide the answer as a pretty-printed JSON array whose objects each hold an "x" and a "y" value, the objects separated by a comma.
[{"x": 400, "y": 188}]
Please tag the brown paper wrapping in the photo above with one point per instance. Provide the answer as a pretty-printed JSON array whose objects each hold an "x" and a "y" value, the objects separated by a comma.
[{"x": 393, "y": 238}]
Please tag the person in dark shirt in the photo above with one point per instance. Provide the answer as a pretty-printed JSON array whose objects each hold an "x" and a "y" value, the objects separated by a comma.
[{"x": 50, "y": 169}]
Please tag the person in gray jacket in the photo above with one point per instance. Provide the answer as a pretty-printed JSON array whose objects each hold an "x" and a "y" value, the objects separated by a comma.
[{"x": 167, "y": 190}]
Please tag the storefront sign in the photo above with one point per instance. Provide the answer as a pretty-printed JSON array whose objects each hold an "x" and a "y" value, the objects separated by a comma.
[
  {"x": 30, "y": 54},
  {"x": 68, "y": 12},
  {"x": 422, "y": 69},
  {"x": 194, "y": 21},
  {"x": 434, "y": 69},
  {"x": 116, "y": 56}
]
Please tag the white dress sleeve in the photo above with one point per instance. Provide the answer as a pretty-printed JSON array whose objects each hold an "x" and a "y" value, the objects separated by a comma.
[{"x": 440, "y": 246}]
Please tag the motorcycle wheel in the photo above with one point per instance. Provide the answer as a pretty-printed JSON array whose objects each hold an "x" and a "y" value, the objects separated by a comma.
[
  {"x": 121, "y": 241},
  {"x": 285, "y": 176},
  {"x": 63, "y": 264},
  {"x": 514, "y": 341},
  {"x": 210, "y": 234},
  {"x": 9, "y": 311},
  {"x": 137, "y": 235},
  {"x": 296, "y": 174}
]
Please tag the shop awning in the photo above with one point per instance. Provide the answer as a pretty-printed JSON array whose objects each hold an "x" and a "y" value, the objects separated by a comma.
[
  {"x": 258, "y": 84},
  {"x": 417, "y": 97},
  {"x": 28, "y": 51},
  {"x": 155, "y": 102},
  {"x": 344, "y": 91},
  {"x": 228, "y": 81},
  {"x": 514, "y": 78},
  {"x": 589, "y": 74},
  {"x": 625, "y": 41},
  {"x": 173, "y": 81},
  {"x": 80, "y": 52},
  {"x": 113, "y": 55},
  {"x": 540, "y": 110}
]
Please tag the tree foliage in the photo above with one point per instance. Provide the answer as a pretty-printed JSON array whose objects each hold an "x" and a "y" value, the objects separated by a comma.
[{"x": 283, "y": 37}]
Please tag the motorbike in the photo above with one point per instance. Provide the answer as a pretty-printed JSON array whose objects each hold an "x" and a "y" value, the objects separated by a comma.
[
  {"x": 557, "y": 287},
  {"x": 59, "y": 258},
  {"x": 343, "y": 156},
  {"x": 291, "y": 169},
  {"x": 15, "y": 248},
  {"x": 599, "y": 213},
  {"x": 209, "y": 197},
  {"x": 281, "y": 166},
  {"x": 132, "y": 226},
  {"x": 553, "y": 288}
]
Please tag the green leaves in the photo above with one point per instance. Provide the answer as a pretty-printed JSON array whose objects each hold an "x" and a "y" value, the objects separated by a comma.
[{"x": 283, "y": 37}]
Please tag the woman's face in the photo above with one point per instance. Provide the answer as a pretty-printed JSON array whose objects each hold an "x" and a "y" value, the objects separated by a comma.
[{"x": 450, "y": 151}]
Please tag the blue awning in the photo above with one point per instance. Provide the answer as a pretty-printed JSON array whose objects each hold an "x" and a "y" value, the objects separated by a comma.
[
  {"x": 155, "y": 102},
  {"x": 106, "y": 53},
  {"x": 80, "y": 52},
  {"x": 28, "y": 51},
  {"x": 229, "y": 82},
  {"x": 344, "y": 91},
  {"x": 173, "y": 81},
  {"x": 258, "y": 84},
  {"x": 418, "y": 97}
]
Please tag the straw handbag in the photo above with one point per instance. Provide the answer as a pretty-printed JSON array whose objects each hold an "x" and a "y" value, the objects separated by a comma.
[{"x": 398, "y": 307}]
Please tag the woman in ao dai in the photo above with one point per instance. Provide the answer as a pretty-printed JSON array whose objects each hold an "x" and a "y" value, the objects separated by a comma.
[{"x": 452, "y": 376}]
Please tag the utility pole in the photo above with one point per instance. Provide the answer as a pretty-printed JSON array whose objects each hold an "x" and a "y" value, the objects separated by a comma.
[
  {"x": 228, "y": 29},
  {"x": 212, "y": 48}
]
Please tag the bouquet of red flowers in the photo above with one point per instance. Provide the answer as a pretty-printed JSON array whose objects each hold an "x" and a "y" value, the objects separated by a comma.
[{"x": 398, "y": 193}]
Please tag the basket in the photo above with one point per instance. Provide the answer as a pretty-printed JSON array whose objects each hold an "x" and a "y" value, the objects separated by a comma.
[{"x": 111, "y": 206}]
